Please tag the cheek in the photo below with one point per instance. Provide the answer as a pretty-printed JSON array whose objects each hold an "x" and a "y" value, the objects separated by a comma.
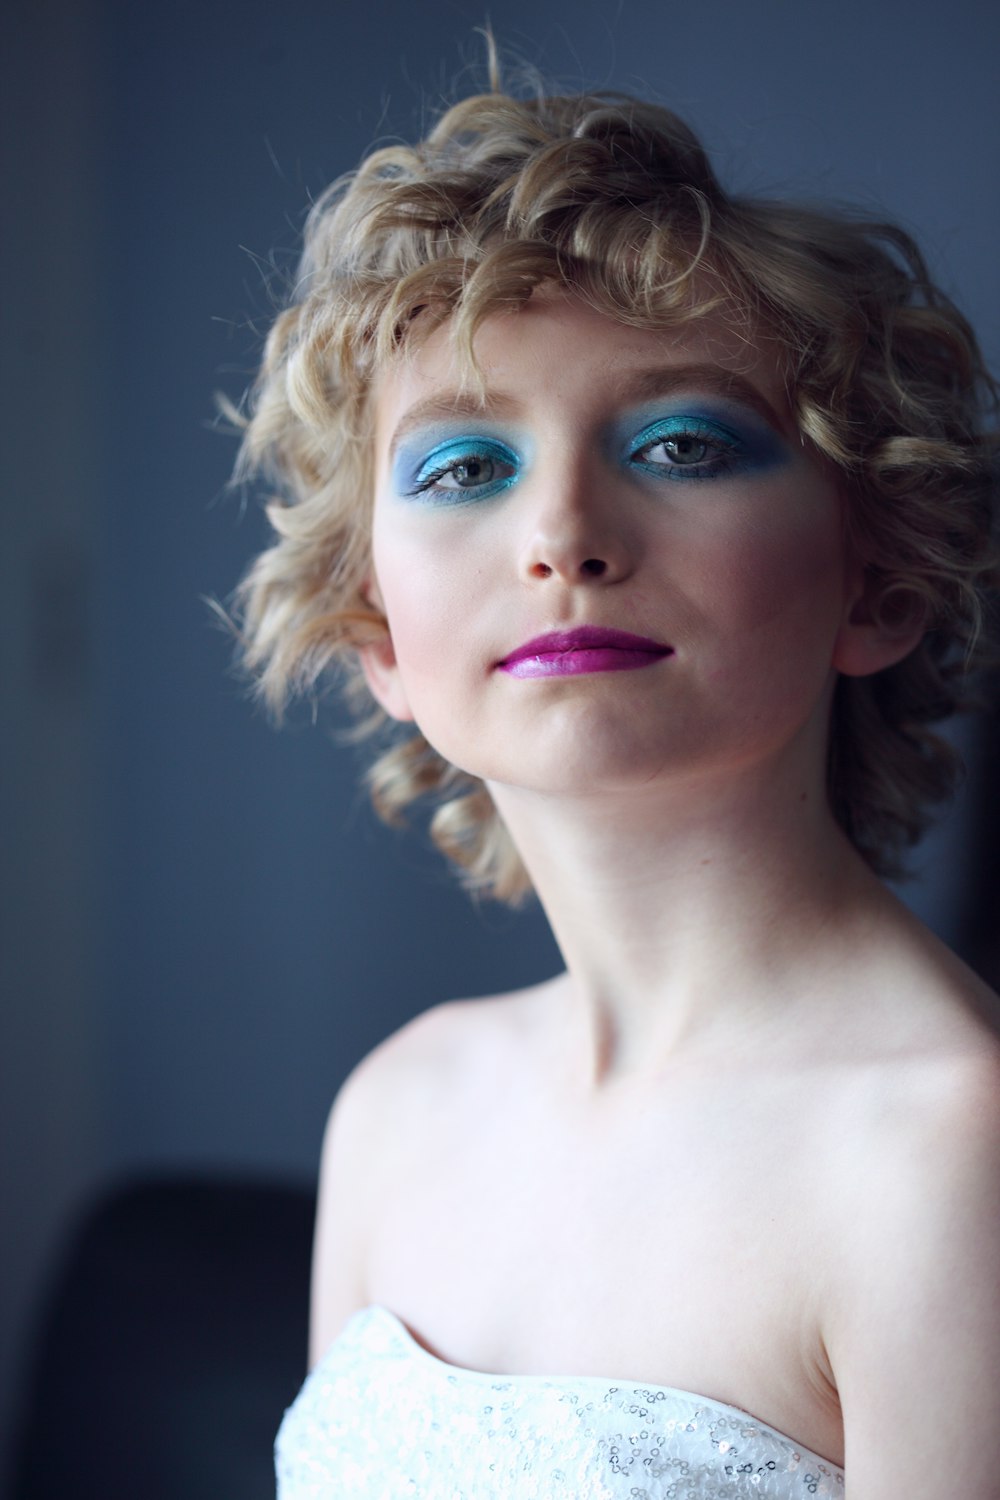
[
  {"x": 432, "y": 606},
  {"x": 779, "y": 583},
  {"x": 782, "y": 568},
  {"x": 767, "y": 597},
  {"x": 427, "y": 599}
]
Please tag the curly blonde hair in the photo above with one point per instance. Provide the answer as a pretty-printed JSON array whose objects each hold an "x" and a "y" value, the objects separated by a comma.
[{"x": 616, "y": 199}]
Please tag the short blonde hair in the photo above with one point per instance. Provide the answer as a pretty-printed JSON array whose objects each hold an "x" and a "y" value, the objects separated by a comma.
[{"x": 616, "y": 199}]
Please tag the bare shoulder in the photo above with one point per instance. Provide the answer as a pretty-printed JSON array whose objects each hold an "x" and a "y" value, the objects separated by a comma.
[
  {"x": 913, "y": 1320},
  {"x": 437, "y": 1057},
  {"x": 940, "y": 1112},
  {"x": 924, "y": 1090},
  {"x": 908, "y": 1011},
  {"x": 417, "y": 1082}
]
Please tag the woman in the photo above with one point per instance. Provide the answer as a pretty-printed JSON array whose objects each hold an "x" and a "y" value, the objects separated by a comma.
[{"x": 660, "y": 519}]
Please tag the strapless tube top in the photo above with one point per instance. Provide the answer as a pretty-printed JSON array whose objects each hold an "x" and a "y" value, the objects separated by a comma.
[{"x": 380, "y": 1418}]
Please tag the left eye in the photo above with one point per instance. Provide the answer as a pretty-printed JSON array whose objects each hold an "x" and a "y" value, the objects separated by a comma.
[{"x": 683, "y": 450}]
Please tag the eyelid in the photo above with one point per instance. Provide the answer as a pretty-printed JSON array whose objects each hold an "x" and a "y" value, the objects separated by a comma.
[
  {"x": 684, "y": 422},
  {"x": 453, "y": 449},
  {"x": 421, "y": 473}
]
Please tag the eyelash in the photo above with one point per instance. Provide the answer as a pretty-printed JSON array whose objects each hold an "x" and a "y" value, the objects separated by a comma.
[
  {"x": 462, "y": 456},
  {"x": 723, "y": 454},
  {"x": 727, "y": 449}
]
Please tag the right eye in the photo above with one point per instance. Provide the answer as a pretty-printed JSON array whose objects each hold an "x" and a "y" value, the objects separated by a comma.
[
  {"x": 465, "y": 471},
  {"x": 468, "y": 474}
]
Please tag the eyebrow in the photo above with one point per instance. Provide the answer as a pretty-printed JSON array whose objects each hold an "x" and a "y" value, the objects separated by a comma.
[{"x": 637, "y": 385}]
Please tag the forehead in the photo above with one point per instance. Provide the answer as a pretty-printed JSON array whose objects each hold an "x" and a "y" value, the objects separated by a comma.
[{"x": 570, "y": 354}]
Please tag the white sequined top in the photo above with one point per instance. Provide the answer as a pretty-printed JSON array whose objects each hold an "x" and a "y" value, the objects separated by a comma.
[{"x": 380, "y": 1418}]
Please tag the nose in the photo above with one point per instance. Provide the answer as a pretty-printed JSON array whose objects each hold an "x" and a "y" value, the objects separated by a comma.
[
  {"x": 576, "y": 532},
  {"x": 590, "y": 567}
]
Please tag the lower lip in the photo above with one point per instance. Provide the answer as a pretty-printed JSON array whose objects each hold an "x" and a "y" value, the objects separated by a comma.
[{"x": 576, "y": 663}]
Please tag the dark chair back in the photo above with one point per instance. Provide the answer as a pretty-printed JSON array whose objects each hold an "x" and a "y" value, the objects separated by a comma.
[{"x": 171, "y": 1345}]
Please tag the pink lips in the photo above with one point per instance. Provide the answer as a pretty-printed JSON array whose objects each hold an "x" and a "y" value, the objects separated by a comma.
[{"x": 568, "y": 653}]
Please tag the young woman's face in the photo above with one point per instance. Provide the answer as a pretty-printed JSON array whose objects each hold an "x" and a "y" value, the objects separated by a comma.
[{"x": 616, "y": 480}]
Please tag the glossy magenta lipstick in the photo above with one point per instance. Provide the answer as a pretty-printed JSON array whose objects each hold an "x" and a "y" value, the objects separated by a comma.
[{"x": 589, "y": 648}]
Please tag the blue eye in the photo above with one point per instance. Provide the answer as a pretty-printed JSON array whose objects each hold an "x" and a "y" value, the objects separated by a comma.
[
  {"x": 464, "y": 469},
  {"x": 687, "y": 448}
]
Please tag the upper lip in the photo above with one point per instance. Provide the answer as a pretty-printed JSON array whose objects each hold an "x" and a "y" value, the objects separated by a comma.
[{"x": 583, "y": 638}]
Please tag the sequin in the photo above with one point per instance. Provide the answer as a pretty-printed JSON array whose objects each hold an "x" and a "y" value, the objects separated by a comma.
[{"x": 380, "y": 1418}]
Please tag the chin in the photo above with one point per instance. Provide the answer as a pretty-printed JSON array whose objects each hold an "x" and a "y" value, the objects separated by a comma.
[{"x": 591, "y": 767}]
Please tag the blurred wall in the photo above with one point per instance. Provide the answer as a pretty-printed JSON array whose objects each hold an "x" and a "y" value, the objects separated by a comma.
[
  {"x": 53, "y": 914},
  {"x": 203, "y": 926}
]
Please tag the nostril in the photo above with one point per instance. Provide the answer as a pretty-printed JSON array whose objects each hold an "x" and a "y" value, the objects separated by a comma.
[
  {"x": 542, "y": 570},
  {"x": 594, "y": 566}
]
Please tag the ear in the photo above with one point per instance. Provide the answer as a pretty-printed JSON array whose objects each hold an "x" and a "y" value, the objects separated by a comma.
[
  {"x": 378, "y": 662},
  {"x": 878, "y": 631}
]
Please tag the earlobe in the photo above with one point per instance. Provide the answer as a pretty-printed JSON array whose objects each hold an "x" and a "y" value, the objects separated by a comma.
[
  {"x": 878, "y": 631},
  {"x": 378, "y": 662}
]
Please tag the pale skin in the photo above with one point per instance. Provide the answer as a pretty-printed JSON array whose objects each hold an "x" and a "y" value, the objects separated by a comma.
[{"x": 748, "y": 1143}]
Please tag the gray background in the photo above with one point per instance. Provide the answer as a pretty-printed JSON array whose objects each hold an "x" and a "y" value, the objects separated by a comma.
[{"x": 203, "y": 927}]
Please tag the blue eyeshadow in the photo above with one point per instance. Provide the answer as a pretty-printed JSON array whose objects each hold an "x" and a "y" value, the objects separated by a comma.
[
  {"x": 744, "y": 441},
  {"x": 436, "y": 451}
]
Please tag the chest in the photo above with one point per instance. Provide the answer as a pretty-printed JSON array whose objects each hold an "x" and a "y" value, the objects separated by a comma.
[{"x": 679, "y": 1245}]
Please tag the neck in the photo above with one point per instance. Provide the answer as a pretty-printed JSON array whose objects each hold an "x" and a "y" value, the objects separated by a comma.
[{"x": 692, "y": 916}]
